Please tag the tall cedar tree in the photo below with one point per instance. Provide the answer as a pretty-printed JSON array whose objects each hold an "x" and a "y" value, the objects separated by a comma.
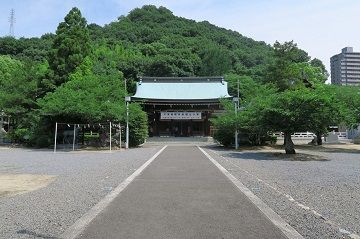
[{"x": 70, "y": 47}]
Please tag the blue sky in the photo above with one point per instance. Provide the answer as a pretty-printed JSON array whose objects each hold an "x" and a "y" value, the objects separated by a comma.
[{"x": 321, "y": 27}]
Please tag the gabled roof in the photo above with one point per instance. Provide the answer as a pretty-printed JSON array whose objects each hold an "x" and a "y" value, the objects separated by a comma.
[{"x": 181, "y": 89}]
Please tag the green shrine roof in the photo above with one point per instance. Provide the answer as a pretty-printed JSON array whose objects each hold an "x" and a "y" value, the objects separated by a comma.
[{"x": 181, "y": 89}]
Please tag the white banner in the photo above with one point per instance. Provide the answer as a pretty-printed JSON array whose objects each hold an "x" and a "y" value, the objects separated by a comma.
[{"x": 180, "y": 115}]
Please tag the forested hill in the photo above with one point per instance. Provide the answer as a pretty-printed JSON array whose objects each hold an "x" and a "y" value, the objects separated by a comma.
[
  {"x": 164, "y": 45},
  {"x": 189, "y": 47}
]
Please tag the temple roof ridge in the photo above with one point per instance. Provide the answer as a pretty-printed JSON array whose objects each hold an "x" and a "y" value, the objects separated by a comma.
[
  {"x": 181, "y": 88},
  {"x": 180, "y": 79}
]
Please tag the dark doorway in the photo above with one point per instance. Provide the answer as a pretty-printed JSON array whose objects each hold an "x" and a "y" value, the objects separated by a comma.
[{"x": 182, "y": 128}]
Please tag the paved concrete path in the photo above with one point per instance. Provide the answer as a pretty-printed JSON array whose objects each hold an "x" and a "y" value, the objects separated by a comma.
[{"x": 181, "y": 195}]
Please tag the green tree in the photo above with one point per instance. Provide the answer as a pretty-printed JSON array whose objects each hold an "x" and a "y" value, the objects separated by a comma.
[
  {"x": 95, "y": 93},
  {"x": 31, "y": 49},
  {"x": 86, "y": 97},
  {"x": 18, "y": 87},
  {"x": 70, "y": 46},
  {"x": 305, "y": 75},
  {"x": 327, "y": 110},
  {"x": 18, "y": 94},
  {"x": 8, "y": 66},
  {"x": 349, "y": 100},
  {"x": 299, "y": 110},
  {"x": 279, "y": 72},
  {"x": 265, "y": 110},
  {"x": 254, "y": 99},
  {"x": 289, "y": 52},
  {"x": 10, "y": 46},
  {"x": 138, "y": 125},
  {"x": 318, "y": 63},
  {"x": 215, "y": 61}
]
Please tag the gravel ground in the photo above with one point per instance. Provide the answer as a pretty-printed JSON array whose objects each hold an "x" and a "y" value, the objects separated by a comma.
[
  {"x": 319, "y": 198},
  {"x": 83, "y": 179}
]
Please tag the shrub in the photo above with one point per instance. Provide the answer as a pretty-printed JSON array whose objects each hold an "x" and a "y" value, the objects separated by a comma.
[
  {"x": 20, "y": 135},
  {"x": 138, "y": 125}
]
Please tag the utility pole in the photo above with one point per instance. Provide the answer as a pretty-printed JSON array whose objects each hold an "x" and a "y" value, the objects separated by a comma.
[
  {"x": 236, "y": 102},
  {"x": 127, "y": 100},
  {"x": 110, "y": 136},
  {"x": 12, "y": 22},
  {"x": 238, "y": 93},
  {"x": 120, "y": 135},
  {"x": 125, "y": 86}
]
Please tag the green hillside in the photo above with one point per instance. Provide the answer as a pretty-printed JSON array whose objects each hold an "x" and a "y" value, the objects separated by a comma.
[
  {"x": 162, "y": 44},
  {"x": 166, "y": 45},
  {"x": 188, "y": 47}
]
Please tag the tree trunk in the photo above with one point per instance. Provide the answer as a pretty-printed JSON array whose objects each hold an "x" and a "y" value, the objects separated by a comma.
[
  {"x": 289, "y": 145},
  {"x": 319, "y": 139}
]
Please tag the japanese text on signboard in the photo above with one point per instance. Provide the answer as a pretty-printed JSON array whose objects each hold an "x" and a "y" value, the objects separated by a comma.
[{"x": 180, "y": 115}]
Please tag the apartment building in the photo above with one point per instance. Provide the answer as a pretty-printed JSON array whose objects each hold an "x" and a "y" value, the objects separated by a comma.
[{"x": 345, "y": 67}]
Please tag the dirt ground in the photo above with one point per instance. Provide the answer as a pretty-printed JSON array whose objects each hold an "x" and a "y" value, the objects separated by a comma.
[
  {"x": 342, "y": 146},
  {"x": 14, "y": 184},
  {"x": 304, "y": 151}
]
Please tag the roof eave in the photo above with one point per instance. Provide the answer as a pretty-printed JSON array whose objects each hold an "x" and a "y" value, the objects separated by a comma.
[{"x": 215, "y": 100}]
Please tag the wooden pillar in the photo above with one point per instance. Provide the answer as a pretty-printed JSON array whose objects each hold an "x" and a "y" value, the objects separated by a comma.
[
  {"x": 206, "y": 122},
  {"x": 203, "y": 124},
  {"x": 155, "y": 128},
  {"x": 191, "y": 128}
]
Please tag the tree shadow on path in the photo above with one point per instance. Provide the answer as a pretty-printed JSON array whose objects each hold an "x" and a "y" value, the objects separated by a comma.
[
  {"x": 35, "y": 235},
  {"x": 266, "y": 156}
]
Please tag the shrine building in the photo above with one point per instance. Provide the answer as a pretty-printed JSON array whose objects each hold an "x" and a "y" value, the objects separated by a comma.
[{"x": 181, "y": 106}]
